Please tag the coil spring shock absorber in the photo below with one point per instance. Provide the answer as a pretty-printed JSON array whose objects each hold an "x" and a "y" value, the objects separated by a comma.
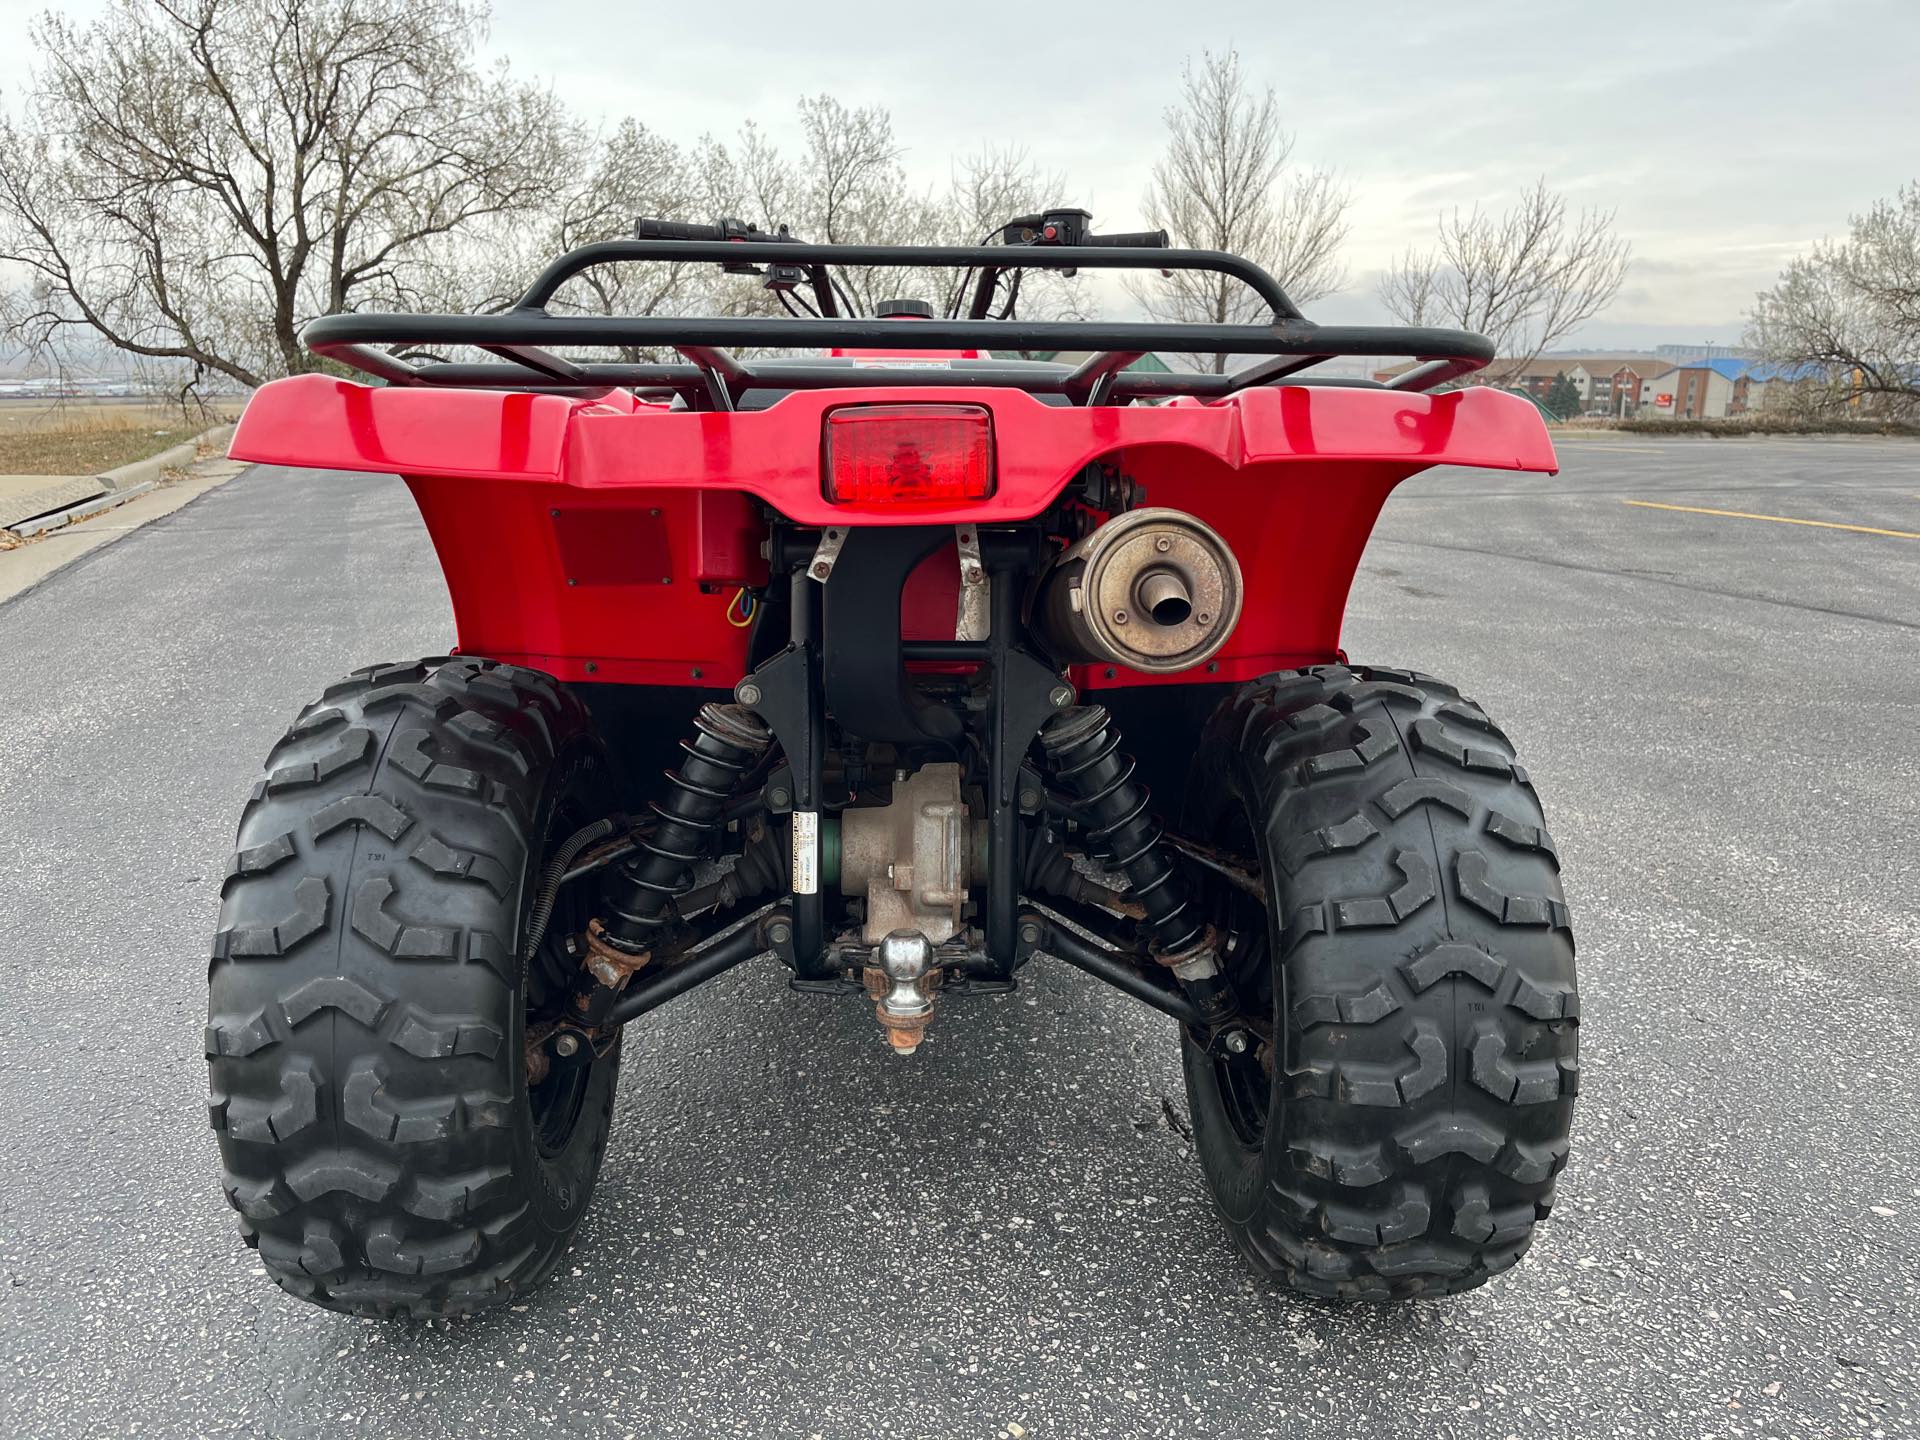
[
  {"x": 637, "y": 896},
  {"x": 1083, "y": 749}
]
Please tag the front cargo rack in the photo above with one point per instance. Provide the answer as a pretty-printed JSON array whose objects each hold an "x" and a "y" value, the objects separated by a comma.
[{"x": 526, "y": 337}]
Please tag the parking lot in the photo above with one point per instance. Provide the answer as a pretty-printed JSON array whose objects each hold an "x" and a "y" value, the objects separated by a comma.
[{"x": 798, "y": 1234}]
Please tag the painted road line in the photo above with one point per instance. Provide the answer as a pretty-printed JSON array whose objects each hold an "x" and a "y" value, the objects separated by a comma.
[{"x": 1777, "y": 519}]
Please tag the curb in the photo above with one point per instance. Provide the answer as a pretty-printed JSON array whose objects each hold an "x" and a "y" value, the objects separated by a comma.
[
  {"x": 126, "y": 482},
  {"x": 27, "y": 529},
  {"x": 58, "y": 544},
  {"x": 123, "y": 478}
]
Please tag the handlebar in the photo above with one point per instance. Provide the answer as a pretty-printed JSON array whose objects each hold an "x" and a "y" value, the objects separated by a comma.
[
  {"x": 727, "y": 229},
  {"x": 646, "y": 229},
  {"x": 649, "y": 229},
  {"x": 1129, "y": 240}
]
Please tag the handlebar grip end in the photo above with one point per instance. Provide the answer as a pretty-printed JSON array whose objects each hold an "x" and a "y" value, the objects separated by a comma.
[
  {"x": 649, "y": 229},
  {"x": 1132, "y": 240}
]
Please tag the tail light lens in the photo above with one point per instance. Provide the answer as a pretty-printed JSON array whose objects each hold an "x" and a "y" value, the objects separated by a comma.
[{"x": 908, "y": 454}]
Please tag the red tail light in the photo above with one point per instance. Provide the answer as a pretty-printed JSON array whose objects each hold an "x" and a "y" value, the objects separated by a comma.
[{"x": 908, "y": 454}]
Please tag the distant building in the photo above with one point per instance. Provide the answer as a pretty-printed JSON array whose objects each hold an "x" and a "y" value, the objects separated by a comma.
[
  {"x": 1717, "y": 388},
  {"x": 1645, "y": 387},
  {"x": 1340, "y": 367},
  {"x": 1688, "y": 354},
  {"x": 1768, "y": 387},
  {"x": 1536, "y": 377},
  {"x": 1617, "y": 384},
  {"x": 1607, "y": 384},
  {"x": 1690, "y": 392}
]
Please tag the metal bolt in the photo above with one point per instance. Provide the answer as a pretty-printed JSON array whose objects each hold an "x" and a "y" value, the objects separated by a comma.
[
  {"x": 696, "y": 672},
  {"x": 747, "y": 693},
  {"x": 1060, "y": 696},
  {"x": 592, "y": 666},
  {"x": 1204, "y": 618},
  {"x": 779, "y": 932},
  {"x": 821, "y": 570},
  {"x": 572, "y": 581},
  {"x": 566, "y": 1043},
  {"x": 1119, "y": 617},
  {"x": 655, "y": 512},
  {"x": 1030, "y": 933},
  {"x": 1163, "y": 544},
  {"x": 1236, "y": 1042},
  {"x": 779, "y": 797},
  {"x": 666, "y": 579},
  {"x": 1030, "y": 799}
]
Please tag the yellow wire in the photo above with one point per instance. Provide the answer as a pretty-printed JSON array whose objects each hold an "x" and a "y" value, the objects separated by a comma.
[{"x": 733, "y": 604}]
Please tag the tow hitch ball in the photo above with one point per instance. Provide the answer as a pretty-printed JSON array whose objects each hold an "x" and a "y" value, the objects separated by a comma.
[
  {"x": 900, "y": 983},
  {"x": 1081, "y": 749}
]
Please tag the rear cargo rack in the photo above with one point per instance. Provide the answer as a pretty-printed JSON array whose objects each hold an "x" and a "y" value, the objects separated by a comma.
[{"x": 526, "y": 337}]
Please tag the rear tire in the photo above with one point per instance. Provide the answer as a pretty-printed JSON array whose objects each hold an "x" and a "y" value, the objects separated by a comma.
[
  {"x": 1399, "y": 1131},
  {"x": 369, "y": 1002}
]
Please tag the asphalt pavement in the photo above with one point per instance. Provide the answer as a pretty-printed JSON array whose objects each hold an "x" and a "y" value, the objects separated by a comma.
[{"x": 797, "y": 1234}]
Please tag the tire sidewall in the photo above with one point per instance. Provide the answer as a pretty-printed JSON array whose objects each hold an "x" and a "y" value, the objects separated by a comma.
[
  {"x": 368, "y": 992},
  {"x": 1425, "y": 1012}
]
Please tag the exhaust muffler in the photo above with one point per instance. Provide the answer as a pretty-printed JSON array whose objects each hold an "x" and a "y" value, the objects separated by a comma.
[{"x": 1154, "y": 590}]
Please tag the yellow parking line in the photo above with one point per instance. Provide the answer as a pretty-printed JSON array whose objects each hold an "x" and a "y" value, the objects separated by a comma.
[{"x": 1777, "y": 519}]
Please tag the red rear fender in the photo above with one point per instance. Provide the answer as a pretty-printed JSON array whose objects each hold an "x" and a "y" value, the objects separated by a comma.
[{"x": 605, "y": 539}]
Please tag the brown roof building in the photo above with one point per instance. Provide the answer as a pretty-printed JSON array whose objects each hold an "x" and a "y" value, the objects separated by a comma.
[{"x": 1608, "y": 384}]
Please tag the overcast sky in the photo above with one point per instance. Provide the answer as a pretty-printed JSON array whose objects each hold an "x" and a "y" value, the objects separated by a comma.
[{"x": 1726, "y": 136}]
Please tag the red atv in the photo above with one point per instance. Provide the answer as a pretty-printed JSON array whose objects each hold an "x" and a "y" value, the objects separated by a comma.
[{"x": 903, "y": 607}]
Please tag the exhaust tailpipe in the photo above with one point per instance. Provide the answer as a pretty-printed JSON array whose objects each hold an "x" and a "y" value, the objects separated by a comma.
[{"x": 1154, "y": 590}]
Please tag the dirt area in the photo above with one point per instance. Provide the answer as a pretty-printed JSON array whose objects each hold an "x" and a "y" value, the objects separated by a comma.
[{"x": 39, "y": 437}]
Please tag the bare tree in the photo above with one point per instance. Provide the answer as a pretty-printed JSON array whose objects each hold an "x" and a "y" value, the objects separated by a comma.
[
  {"x": 1850, "y": 310},
  {"x": 850, "y": 172},
  {"x": 196, "y": 178},
  {"x": 632, "y": 171},
  {"x": 1226, "y": 183},
  {"x": 848, "y": 186},
  {"x": 985, "y": 190},
  {"x": 1526, "y": 279}
]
